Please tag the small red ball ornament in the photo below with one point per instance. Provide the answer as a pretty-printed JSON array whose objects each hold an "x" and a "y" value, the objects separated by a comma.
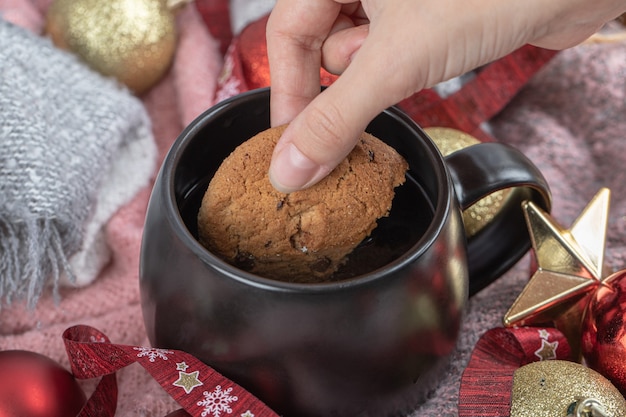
[
  {"x": 604, "y": 330},
  {"x": 34, "y": 385}
]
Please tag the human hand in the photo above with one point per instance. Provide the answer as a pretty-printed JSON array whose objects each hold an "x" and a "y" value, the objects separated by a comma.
[{"x": 386, "y": 50}]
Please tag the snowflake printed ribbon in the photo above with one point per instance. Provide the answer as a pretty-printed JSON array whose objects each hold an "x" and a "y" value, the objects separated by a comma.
[{"x": 199, "y": 389}]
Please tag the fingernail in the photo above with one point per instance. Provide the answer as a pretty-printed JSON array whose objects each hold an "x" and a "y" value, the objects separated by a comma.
[{"x": 291, "y": 170}]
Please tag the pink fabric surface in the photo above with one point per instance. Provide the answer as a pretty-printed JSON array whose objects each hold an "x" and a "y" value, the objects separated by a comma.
[
  {"x": 111, "y": 303},
  {"x": 570, "y": 120}
]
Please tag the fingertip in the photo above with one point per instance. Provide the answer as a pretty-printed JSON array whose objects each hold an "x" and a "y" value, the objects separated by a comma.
[
  {"x": 320, "y": 137},
  {"x": 291, "y": 170}
]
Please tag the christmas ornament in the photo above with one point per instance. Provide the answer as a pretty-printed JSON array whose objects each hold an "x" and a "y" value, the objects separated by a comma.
[
  {"x": 563, "y": 388},
  {"x": 604, "y": 330},
  {"x": 34, "y": 385},
  {"x": 477, "y": 216},
  {"x": 487, "y": 382},
  {"x": 570, "y": 268},
  {"x": 199, "y": 389},
  {"x": 131, "y": 40}
]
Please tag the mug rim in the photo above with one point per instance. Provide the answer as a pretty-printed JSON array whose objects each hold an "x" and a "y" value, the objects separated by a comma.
[{"x": 441, "y": 207}]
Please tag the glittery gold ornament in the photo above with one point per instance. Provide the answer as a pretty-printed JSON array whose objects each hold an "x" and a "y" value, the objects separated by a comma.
[
  {"x": 570, "y": 269},
  {"x": 131, "y": 40},
  {"x": 478, "y": 215},
  {"x": 563, "y": 388}
]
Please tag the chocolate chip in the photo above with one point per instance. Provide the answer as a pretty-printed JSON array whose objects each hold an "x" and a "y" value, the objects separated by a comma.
[
  {"x": 280, "y": 204},
  {"x": 320, "y": 265},
  {"x": 370, "y": 153},
  {"x": 244, "y": 260}
]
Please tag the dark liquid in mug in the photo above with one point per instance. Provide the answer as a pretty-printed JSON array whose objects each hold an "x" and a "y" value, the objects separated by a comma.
[{"x": 411, "y": 214}]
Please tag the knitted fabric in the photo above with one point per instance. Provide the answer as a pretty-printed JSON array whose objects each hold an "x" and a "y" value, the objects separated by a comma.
[{"x": 74, "y": 147}]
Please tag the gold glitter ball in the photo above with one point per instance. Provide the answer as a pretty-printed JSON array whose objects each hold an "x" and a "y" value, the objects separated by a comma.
[
  {"x": 131, "y": 40},
  {"x": 555, "y": 388},
  {"x": 477, "y": 216}
]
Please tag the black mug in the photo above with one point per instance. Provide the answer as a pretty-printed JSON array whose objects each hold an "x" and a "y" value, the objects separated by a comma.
[{"x": 371, "y": 343}]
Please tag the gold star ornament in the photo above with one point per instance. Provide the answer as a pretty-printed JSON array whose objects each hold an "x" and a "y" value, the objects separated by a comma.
[{"x": 570, "y": 266}]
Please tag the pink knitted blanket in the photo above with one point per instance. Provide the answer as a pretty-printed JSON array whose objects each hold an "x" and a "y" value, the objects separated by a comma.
[{"x": 570, "y": 120}]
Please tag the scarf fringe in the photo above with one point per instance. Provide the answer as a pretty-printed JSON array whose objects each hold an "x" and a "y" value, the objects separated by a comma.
[{"x": 39, "y": 242}]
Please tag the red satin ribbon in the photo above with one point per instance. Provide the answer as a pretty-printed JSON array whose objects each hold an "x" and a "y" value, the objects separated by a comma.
[
  {"x": 200, "y": 390},
  {"x": 216, "y": 16},
  {"x": 487, "y": 381},
  {"x": 481, "y": 98}
]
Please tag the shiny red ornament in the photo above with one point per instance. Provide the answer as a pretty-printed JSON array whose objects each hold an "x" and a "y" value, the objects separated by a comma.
[
  {"x": 604, "y": 330},
  {"x": 34, "y": 385}
]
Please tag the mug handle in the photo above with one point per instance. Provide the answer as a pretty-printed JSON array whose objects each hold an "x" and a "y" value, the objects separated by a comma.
[{"x": 480, "y": 170}]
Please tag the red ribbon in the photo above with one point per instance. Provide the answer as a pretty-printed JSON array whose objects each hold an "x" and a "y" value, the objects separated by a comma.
[
  {"x": 200, "y": 390},
  {"x": 482, "y": 97},
  {"x": 216, "y": 16},
  {"x": 487, "y": 381}
]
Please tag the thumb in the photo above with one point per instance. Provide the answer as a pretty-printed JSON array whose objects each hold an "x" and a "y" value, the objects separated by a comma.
[{"x": 322, "y": 135}]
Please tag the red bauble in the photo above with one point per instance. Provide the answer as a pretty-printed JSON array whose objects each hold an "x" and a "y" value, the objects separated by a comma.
[
  {"x": 34, "y": 385},
  {"x": 604, "y": 330}
]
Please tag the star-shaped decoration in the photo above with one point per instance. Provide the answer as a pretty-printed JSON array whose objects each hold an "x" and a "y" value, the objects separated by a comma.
[
  {"x": 247, "y": 414},
  {"x": 570, "y": 266},
  {"x": 547, "y": 350},
  {"x": 188, "y": 381},
  {"x": 181, "y": 366}
]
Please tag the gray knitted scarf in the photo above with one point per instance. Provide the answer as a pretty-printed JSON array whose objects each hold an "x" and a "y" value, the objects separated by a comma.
[{"x": 63, "y": 131}]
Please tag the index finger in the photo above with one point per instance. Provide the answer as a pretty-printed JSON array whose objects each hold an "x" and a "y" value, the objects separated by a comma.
[{"x": 296, "y": 31}]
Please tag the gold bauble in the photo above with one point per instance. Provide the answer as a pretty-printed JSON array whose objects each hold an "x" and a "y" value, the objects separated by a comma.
[
  {"x": 556, "y": 388},
  {"x": 478, "y": 215},
  {"x": 131, "y": 40}
]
